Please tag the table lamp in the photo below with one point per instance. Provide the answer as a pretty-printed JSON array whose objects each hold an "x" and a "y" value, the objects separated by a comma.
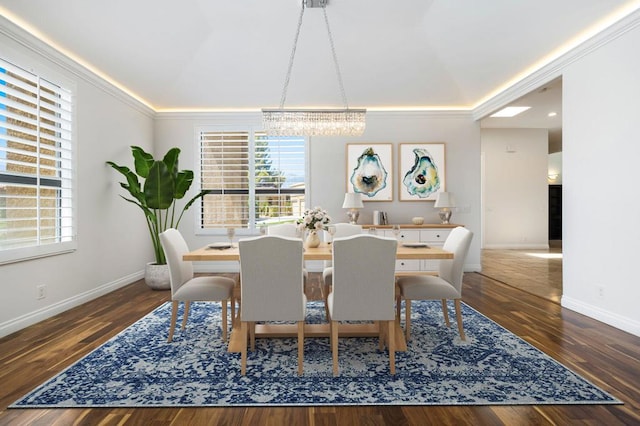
[
  {"x": 353, "y": 202},
  {"x": 444, "y": 202}
]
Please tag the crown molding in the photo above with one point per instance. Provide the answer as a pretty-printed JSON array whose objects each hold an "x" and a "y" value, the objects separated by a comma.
[
  {"x": 257, "y": 115},
  {"x": 26, "y": 39},
  {"x": 555, "y": 68}
]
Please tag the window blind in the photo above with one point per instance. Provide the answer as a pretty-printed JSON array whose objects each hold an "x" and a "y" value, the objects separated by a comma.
[
  {"x": 251, "y": 179},
  {"x": 36, "y": 167}
]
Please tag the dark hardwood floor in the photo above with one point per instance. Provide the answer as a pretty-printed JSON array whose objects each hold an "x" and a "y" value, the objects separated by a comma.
[{"x": 606, "y": 356}]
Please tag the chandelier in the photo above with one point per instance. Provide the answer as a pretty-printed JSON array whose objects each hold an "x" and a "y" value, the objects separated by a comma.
[{"x": 313, "y": 122}]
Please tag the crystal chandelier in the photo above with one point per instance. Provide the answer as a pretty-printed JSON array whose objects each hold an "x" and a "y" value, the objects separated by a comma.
[{"x": 313, "y": 122}]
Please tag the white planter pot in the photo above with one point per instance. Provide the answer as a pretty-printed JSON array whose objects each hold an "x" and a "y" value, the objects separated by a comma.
[{"x": 157, "y": 276}]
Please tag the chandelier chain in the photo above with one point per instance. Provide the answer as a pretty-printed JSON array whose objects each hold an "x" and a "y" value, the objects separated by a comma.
[
  {"x": 343, "y": 93},
  {"x": 335, "y": 59},
  {"x": 291, "y": 58}
]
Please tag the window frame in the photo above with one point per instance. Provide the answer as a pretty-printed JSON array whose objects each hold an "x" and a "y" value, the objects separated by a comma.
[
  {"x": 66, "y": 215},
  {"x": 252, "y": 130}
]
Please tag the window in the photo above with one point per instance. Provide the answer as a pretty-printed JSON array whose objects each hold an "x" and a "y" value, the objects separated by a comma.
[
  {"x": 36, "y": 174},
  {"x": 252, "y": 179}
]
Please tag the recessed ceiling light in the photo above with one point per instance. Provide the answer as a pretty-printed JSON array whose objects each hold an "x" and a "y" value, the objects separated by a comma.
[
  {"x": 552, "y": 114},
  {"x": 510, "y": 111}
]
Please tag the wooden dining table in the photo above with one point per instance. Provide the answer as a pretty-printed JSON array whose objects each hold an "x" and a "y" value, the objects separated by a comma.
[{"x": 322, "y": 252}]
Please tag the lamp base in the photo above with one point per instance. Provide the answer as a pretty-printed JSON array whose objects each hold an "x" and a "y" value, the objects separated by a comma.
[
  {"x": 445, "y": 215},
  {"x": 353, "y": 215}
]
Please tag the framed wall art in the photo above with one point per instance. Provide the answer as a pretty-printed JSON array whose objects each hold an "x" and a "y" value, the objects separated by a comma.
[
  {"x": 370, "y": 170},
  {"x": 422, "y": 171}
]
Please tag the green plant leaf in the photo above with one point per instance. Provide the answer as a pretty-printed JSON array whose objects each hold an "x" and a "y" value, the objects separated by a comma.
[
  {"x": 184, "y": 179},
  {"x": 143, "y": 161},
  {"x": 171, "y": 160},
  {"x": 159, "y": 186},
  {"x": 132, "y": 185}
]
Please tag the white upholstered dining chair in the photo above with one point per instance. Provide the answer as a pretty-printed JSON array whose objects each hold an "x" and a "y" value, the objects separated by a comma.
[
  {"x": 342, "y": 230},
  {"x": 289, "y": 230},
  {"x": 363, "y": 288},
  {"x": 187, "y": 288},
  {"x": 272, "y": 288},
  {"x": 446, "y": 285}
]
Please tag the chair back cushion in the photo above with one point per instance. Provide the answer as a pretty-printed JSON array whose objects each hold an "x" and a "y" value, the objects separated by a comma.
[
  {"x": 457, "y": 242},
  {"x": 271, "y": 279},
  {"x": 342, "y": 230},
  {"x": 284, "y": 230},
  {"x": 346, "y": 230},
  {"x": 363, "y": 278},
  {"x": 175, "y": 247}
]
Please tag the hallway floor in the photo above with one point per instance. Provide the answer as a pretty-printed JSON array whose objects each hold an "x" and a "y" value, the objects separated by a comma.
[{"x": 538, "y": 272}]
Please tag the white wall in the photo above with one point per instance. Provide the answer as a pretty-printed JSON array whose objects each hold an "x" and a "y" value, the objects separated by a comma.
[
  {"x": 601, "y": 150},
  {"x": 106, "y": 126},
  {"x": 515, "y": 189},
  {"x": 327, "y": 164}
]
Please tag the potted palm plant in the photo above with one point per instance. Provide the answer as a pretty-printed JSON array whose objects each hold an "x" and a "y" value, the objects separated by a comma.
[{"x": 155, "y": 186}]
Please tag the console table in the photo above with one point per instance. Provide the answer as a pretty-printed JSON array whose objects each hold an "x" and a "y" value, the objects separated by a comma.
[{"x": 433, "y": 234}]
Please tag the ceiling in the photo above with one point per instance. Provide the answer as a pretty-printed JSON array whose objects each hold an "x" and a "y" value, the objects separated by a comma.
[{"x": 233, "y": 55}]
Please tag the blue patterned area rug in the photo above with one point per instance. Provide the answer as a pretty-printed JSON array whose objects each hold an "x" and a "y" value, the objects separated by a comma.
[{"x": 138, "y": 368}]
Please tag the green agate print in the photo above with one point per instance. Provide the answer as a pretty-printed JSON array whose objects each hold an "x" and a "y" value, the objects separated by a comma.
[
  {"x": 369, "y": 176},
  {"x": 422, "y": 179}
]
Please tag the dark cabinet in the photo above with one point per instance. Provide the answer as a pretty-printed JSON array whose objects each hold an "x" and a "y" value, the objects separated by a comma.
[{"x": 555, "y": 212}]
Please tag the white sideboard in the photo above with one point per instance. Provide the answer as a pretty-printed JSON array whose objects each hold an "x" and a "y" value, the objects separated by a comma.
[{"x": 430, "y": 233}]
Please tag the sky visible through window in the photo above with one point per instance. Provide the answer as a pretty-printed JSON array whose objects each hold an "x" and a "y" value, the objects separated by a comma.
[{"x": 293, "y": 176}]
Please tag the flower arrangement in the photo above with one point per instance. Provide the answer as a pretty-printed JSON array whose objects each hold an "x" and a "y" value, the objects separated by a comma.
[{"x": 313, "y": 220}]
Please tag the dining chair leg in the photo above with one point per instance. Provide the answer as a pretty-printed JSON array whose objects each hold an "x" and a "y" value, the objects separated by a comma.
[
  {"x": 381, "y": 334},
  {"x": 459, "y": 318},
  {"x": 187, "y": 305},
  {"x": 174, "y": 316},
  {"x": 445, "y": 312},
  {"x": 243, "y": 350},
  {"x": 324, "y": 289},
  {"x": 398, "y": 306},
  {"x": 233, "y": 309},
  {"x": 334, "y": 346},
  {"x": 224, "y": 320},
  {"x": 300, "y": 347},
  {"x": 252, "y": 335},
  {"x": 235, "y": 315},
  {"x": 407, "y": 319},
  {"x": 391, "y": 345}
]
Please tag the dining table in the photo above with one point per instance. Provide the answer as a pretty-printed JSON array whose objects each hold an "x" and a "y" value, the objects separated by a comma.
[{"x": 230, "y": 252}]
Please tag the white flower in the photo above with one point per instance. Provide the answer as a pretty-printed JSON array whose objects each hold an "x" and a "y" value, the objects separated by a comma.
[{"x": 314, "y": 220}]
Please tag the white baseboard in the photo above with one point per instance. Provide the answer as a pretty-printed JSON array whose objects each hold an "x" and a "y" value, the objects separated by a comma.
[
  {"x": 607, "y": 317},
  {"x": 34, "y": 317}
]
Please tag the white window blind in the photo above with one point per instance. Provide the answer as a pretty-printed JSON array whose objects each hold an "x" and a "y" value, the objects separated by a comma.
[
  {"x": 251, "y": 179},
  {"x": 36, "y": 173}
]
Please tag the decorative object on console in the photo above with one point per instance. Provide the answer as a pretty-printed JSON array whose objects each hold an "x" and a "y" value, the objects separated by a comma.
[
  {"x": 445, "y": 202},
  {"x": 314, "y": 122},
  {"x": 418, "y": 220},
  {"x": 353, "y": 202},
  {"x": 422, "y": 171},
  {"x": 370, "y": 171}
]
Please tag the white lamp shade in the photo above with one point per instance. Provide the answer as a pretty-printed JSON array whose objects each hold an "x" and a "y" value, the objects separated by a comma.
[
  {"x": 445, "y": 200},
  {"x": 352, "y": 200}
]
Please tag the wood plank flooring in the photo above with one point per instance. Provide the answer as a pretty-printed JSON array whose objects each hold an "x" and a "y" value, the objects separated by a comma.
[
  {"x": 607, "y": 357},
  {"x": 537, "y": 272}
]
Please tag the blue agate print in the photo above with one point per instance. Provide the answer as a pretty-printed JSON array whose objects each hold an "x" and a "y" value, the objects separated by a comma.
[
  {"x": 422, "y": 179},
  {"x": 369, "y": 176}
]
